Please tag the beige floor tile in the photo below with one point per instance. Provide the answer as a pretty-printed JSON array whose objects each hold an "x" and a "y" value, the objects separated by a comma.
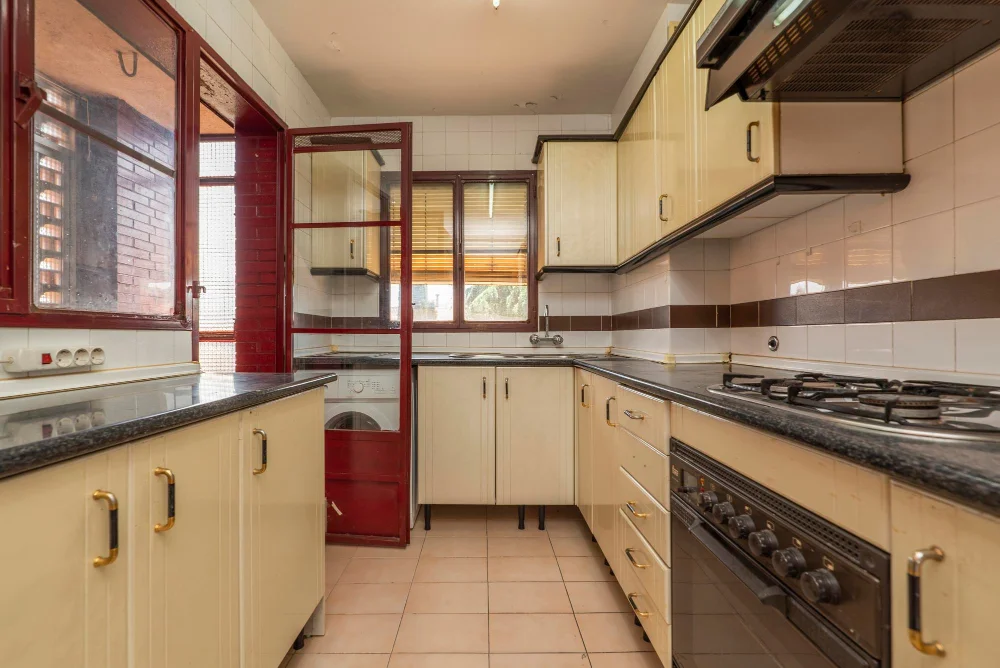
[
  {"x": 440, "y": 661},
  {"x": 567, "y": 527},
  {"x": 443, "y": 634},
  {"x": 411, "y": 551},
  {"x": 449, "y": 512},
  {"x": 340, "y": 551},
  {"x": 457, "y": 526},
  {"x": 574, "y": 546},
  {"x": 432, "y": 569},
  {"x": 454, "y": 546},
  {"x": 612, "y": 632},
  {"x": 626, "y": 660},
  {"x": 529, "y": 597},
  {"x": 510, "y": 513},
  {"x": 372, "y": 571},
  {"x": 584, "y": 569},
  {"x": 334, "y": 569},
  {"x": 367, "y": 599},
  {"x": 596, "y": 597},
  {"x": 575, "y": 660},
  {"x": 517, "y": 546},
  {"x": 448, "y": 597},
  {"x": 339, "y": 661},
  {"x": 355, "y": 634},
  {"x": 523, "y": 569},
  {"x": 530, "y": 634},
  {"x": 508, "y": 527}
]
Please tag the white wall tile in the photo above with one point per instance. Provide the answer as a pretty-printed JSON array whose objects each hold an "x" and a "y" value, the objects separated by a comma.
[
  {"x": 762, "y": 245},
  {"x": 793, "y": 342},
  {"x": 503, "y": 340},
  {"x": 825, "y": 223},
  {"x": 480, "y": 162},
  {"x": 868, "y": 258},
  {"x": 718, "y": 340},
  {"x": 931, "y": 189},
  {"x": 716, "y": 254},
  {"x": 503, "y": 143},
  {"x": 924, "y": 345},
  {"x": 480, "y": 123},
  {"x": 183, "y": 351},
  {"x": 435, "y": 143},
  {"x": 977, "y": 236},
  {"x": 120, "y": 347},
  {"x": 457, "y": 123},
  {"x": 717, "y": 287},
  {"x": 869, "y": 344},
  {"x": 481, "y": 143},
  {"x": 864, "y": 213},
  {"x": 481, "y": 340},
  {"x": 598, "y": 339},
  {"x": 791, "y": 274},
  {"x": 978, "y": 346},
  {"x": 791, "y": 235},
  {"x": 435, "y": 123},
  {"x": 554, "y": 301},
  {"x": 686, "y": 288},
  {"x": 687, "y": 341},
  {"x": 436, "y": 340},
  {"x": 977, "y": 164},
  {"x": 598, "y": 304},
  {"x": 929, "y": 119},
  {"x": 689, "y": 255},
  {"x": 924, "y": 248},
  {"x": 457, "y": 143},
  {"x": 597, "y": 282},
  {"x": 827, "y": 343},
  {"x": 574, "y": 283},
  {"x": 574, "y": 303},
  {"x": 977, "y": 97},
  {"x": 502, "y": 162},
  {"x": 154, "y": 347},
  {"x": 457, "y": 162}
]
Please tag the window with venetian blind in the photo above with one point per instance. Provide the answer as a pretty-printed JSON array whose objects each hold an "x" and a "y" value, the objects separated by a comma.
[{"x": 471, "y": 253}]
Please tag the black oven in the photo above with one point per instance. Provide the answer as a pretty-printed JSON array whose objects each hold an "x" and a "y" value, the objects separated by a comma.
[{"x": 757, "y": 581}]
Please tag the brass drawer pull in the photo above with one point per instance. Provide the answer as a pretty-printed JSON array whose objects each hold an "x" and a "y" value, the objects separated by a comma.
[
  {"x": 631, "y": 508},
  {"x": 635, "y": 415},
  {"x": 583, "y": 395},
  {"x": 484, "y": 387},
  {"x": 607, "y": 412},
  {"x": 628, "y": 553},
  {"x": 913, "y": 568},
  {"x": 665, "y": 219},
  {"x": 558, "y": 246},
  {"x": 101, "y": 495},
  {"x": 635, "y": 608},
  {"x": 263, "y": 451},
  {"x": 750, "y": 127},
  {"x": 352, "y": 245},
  {"x": 171, "y": 499}
]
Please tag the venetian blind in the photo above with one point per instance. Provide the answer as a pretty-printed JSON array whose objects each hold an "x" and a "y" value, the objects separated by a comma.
[{"x": 433, "y": 233}]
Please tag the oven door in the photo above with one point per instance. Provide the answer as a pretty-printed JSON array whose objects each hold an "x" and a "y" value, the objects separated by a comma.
[{"x": 727, "y": 612}]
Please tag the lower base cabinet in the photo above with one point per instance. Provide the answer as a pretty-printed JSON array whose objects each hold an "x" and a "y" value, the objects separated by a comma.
[{"x": 226, "y": 580}]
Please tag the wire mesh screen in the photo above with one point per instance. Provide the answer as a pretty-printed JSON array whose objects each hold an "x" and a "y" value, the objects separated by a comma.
[
  {"x": 217, "y": 253},
  {"x": 349, "y": 138},
  {"x": 217, "y": 158},
  {"x": 217, "y": 356}
]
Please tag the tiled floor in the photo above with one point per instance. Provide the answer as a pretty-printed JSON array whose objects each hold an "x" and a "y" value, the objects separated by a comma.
[{"x": 474, "y": 592}]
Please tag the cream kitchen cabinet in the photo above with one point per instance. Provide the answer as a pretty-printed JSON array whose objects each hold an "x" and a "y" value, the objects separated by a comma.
[
  {"x": 534, "y": 442},
  {"x": 456, "y": 435},
  {"x": 346, "y": 187},
  {"x": 604, "y": 437},
  {"x": 578, "y": 204},
  {"x": 958, "y": 593},
  {"x": 638, "y": 190},
  {"x": 585, "y": 445}
]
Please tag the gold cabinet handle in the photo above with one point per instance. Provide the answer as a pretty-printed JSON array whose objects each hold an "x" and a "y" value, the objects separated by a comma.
[
  {"x": 171, "y": 499},
  {"x": 506, "y": 388},
  {"x": 663, "y": 217},
  {"x": 635, "y": 608},
  {"x": 263, "y": 451},
  {"x": 750, "y": 127},
  {"x": 484, "y": 387},
  {"x": 583, "y": 395},
  {"x": 607, "y": 412},
  {"x": 635, "y": 415},
  {"x": 352, "y": 249},
  {"x": 628, "y": 553},
  {"x": 558, "y": 246},
  {"x": 913, "y": 567},
  {"x": 112, "y": 501},
  {"x": 631, "y": 508}
]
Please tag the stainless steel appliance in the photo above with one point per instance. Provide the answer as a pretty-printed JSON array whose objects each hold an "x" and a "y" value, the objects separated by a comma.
[
  {"x": 758, "y": 581},
  {"x": 922, "y": 407},
  {"x": 817, "y": 50}
]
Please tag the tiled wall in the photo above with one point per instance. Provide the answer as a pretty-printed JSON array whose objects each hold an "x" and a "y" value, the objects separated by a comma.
[{"x": 946, "y": 222}]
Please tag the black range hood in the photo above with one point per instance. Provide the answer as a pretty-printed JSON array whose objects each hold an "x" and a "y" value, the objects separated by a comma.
[{"x": 825, "y": 50}]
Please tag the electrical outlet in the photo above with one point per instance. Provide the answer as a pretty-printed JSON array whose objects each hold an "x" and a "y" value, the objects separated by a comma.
[{"x": 23, "y": 360}]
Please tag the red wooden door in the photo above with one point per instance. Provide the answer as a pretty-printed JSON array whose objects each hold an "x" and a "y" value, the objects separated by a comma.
[{"x": 348, "y": 308}]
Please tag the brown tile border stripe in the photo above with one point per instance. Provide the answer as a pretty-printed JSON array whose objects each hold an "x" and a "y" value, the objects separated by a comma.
[{"x": 961, "y": 297}]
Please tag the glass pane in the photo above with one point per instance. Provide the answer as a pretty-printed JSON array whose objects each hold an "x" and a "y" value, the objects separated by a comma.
[
  {"x": 338, "y": 279},
  {"x": 217, "y": 258},
  {"x": 103, "y": 227},
  {"x": 345, "y": 186},
  {"x": 496, "y": 252},
  {"x": 217, "y": 158},
  {"x": 112, "y": 65},
  {"x": 433, "y": 253},
  {"x": 365, "y": 396},
  {"x": 217, "y": 356}
]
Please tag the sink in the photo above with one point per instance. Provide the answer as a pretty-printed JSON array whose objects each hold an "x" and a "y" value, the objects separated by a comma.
[{"x": 479, "y": 356}]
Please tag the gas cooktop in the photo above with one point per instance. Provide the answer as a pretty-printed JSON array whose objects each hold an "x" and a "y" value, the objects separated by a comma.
[{"x": 925, "y": 407}]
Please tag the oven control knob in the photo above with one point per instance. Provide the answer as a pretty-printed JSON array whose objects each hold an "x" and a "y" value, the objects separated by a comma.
[
  {"x": 763, "y": 543},
  {"x": 723, "y": 512},
  {"x": 820, "y": 586},
  {"x": 788, "y": 562},
  {"x": 741, "y": 526},
  {"x": 707, "y": 499},
  {"x": 687, "y": 489}
]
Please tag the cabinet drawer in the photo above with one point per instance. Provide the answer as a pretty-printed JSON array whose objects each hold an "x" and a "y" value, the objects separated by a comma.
[
  {"x": 648, "y": 466},
  {"x": 639, "y": 557},
  {"x": 644, "y": 416},
  {"x": 645, "y": 513},
  {"x": 653, "y": 623}
]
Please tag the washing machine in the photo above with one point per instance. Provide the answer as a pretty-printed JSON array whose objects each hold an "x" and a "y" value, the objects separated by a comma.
[{"x": 363, "y": 400}]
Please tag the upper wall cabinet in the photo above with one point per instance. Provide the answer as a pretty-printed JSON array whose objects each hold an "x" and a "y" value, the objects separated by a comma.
[{"x": 577, "y": 204}]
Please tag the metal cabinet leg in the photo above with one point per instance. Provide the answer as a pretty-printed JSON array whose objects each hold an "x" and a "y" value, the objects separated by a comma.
[
  {"x": 520, "y": 518},
  {"x": 300, "y": 641},
  {"x": 541, "y": 518},
  {"x": 636, "y": 621},
  {"x": 427, "y": 517}
]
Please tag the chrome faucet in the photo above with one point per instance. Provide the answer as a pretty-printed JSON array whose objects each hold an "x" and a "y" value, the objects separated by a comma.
[{"x": 555, "y": 340}]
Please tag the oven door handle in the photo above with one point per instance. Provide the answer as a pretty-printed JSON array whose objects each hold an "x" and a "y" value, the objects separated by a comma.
[{"x": 767, "y": 592}]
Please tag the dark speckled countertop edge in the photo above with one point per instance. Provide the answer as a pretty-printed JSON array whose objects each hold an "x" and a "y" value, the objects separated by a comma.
[{"x": 24, "y": 458}]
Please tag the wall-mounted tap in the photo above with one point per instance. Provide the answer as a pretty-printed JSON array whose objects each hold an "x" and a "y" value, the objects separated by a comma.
[{"x": 555, "y": 340}]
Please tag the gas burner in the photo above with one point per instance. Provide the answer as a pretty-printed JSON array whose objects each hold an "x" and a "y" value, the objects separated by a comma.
[{"x": 893, "y": 405}]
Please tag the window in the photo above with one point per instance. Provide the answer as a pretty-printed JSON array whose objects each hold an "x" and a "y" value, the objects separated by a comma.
[
  {"x": 104, "y": 160},
  {"x": 217, "y": 255},
  {"x": 486, "y": 223}
]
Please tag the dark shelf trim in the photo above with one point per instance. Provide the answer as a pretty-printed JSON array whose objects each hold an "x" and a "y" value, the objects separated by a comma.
[
  {"x": 544, "y": 138},
  {"x": 577, "y": 269},
  {"x": 344, "y": 271}
]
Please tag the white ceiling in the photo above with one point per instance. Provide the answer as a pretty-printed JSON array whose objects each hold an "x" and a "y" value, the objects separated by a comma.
[{"x": 432, "y": 57}]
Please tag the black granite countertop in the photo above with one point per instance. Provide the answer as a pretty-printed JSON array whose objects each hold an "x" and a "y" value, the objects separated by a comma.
[
  {"x": 40, "y": 430},
  {"x": 379, "y": 360}
]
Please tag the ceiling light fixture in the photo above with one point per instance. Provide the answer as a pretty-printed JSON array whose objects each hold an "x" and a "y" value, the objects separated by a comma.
[{"x": 496, "y": 4}]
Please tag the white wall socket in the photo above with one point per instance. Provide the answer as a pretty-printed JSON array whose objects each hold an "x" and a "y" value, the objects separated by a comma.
[{"x": 23, "y": 360}]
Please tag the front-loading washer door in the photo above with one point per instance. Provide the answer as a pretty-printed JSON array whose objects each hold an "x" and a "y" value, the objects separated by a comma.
[{"x": 354, "y": 420}]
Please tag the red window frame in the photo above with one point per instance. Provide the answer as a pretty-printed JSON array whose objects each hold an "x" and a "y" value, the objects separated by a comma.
[{"x": 458, "y": 322}]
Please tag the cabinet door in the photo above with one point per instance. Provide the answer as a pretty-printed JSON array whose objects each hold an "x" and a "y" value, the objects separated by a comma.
[
  {"x": 541, "y": 214},
  {"x": 339, "y": 247},
  {"x": 535, "y": 436},
  {"x": 339, "y": 188},
  {"x": 186, "y": 601},
  {"x": 456, "y": 446},
  {"x": 58, "y": 608},
  {"x": 284, "y": 519},
  {"x": 604, "y": 444},
  {"x": 584, "y": 445},
  {"x": 638, "y": 185},
  {"x": 581, "y": 199},
  {"x": 958, "y": 595},
  {"x": 674, "y": 134}
]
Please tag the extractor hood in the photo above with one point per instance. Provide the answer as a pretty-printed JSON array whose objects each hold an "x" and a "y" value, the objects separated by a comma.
[{"x": 816, "y": 50}]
